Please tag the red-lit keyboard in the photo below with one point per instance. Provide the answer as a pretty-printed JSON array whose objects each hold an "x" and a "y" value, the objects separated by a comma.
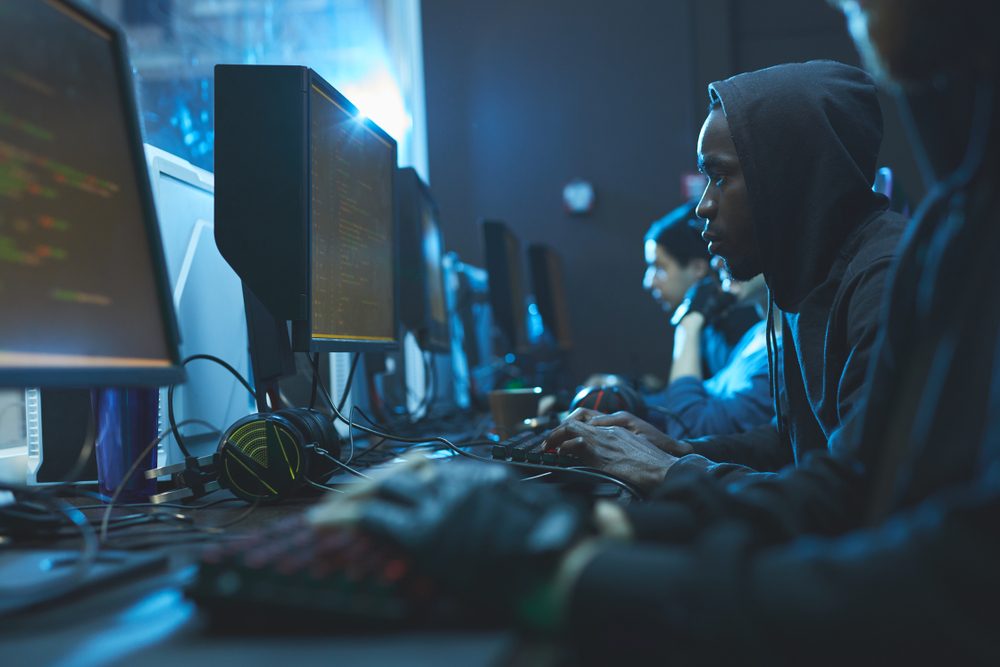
[{"x": 293, "y": 575}]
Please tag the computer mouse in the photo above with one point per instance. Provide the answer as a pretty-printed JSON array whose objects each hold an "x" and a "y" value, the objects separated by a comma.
[{"x": 608, "y": 398}]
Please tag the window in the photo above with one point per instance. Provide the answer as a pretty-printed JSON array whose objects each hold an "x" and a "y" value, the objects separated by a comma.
[{"x": 370, "y": 50}]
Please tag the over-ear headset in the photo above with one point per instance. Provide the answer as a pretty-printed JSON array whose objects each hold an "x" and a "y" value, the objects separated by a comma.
[
  {"x": 265, "y": 457},
  {"x": 610, "y": 398}
]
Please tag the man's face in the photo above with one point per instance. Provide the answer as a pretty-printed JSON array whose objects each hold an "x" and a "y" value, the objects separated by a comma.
[
  {"x": 666, "y": 280},
  {"x": 725, "y": 206}
]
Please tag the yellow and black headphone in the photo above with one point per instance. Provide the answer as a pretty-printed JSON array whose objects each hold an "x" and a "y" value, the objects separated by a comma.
[{"x": 266, "y": 457}]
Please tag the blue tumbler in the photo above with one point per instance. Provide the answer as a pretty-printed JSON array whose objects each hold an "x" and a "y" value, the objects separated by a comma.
[{"x": 126, "y": 420}]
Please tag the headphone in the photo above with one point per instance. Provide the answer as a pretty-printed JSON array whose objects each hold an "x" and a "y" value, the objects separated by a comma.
[
  {"x": 266, "y": 457},
  {"x": 608, "y": 398}
]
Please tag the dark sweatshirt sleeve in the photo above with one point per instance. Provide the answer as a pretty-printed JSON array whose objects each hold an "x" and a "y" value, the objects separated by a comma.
[
  {"x": 863, "y": 296},
  {"x": 727, "y": 458},
  {"x": 922, "y": 586},
  {"x": 819, "y": 496}
]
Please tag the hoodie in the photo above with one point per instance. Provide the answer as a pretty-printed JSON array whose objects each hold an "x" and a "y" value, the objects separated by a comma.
[{"x": 807, "y": 136}]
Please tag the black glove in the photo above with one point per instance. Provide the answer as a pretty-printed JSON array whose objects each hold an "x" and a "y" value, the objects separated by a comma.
[
  {"x": 705, "y": 297},
  {"x": 475, "y": 527}
]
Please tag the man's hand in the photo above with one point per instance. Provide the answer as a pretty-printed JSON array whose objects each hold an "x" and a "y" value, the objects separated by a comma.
[
  {"x": 614, "y": 450},
  {"x": 630, "y": 422}
]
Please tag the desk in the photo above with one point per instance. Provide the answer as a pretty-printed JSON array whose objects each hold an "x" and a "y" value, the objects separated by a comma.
[{"x": 149, "y": 623}]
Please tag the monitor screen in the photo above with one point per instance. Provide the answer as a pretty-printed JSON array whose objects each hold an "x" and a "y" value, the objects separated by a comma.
[
  {"x": 82, "y": 285},
  {"x": 506, "y": 284},
  {"x": 352, "y": 255},
  {"x": 550, "y": 294}
]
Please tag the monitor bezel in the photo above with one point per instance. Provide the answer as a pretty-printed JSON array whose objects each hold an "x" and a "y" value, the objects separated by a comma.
[
  {"x": 541, "y": 258},
  {"x": 110, "y": 376},
  {"x": 432, "y": 336},
  {"x": 495, "y": 234}
]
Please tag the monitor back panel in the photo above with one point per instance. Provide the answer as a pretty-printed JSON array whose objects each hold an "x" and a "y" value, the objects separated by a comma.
[{"x": 208, "y": 298}]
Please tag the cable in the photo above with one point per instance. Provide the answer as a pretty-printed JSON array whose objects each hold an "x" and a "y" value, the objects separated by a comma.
[
  {"x": 170, "y": 396},
  {"x": 173, "y": 541},
  {"x": 314, "y": 362},
  {"x": 685, "y": 429},
  {"x": 325, "y": 454},
  {"x": 350, "y": 379},
  {"x": 321, "y": 487},
  {"x": 419, "y": 441},
  {"x": 202, "y": 506},
  {"x": 88, "y": 555},
  {"x": 350, "y": 434},
  {"x": 175, "y": 429},
  {"x": 430, "y": 383},
  {"x": 226, "y": 524}
]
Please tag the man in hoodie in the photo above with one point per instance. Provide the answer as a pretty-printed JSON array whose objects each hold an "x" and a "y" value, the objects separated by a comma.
[{"x": 790, "y": 155}]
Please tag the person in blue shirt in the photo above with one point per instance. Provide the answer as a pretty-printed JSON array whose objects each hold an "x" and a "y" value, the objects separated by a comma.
[{"x": 719, "y": 376}]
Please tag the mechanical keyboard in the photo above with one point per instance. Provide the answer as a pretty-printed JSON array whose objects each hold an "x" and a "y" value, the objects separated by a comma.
[
  {"x": 529, "y": 447},
  {"x": 293, "y": 575}
]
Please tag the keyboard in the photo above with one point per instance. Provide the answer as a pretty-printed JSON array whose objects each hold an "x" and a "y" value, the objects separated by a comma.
[
  {"x": 293, "y": 576},
  {"x": 530, "y": 448}
]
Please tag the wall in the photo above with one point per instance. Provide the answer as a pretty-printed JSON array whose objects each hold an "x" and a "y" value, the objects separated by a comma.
[
  {"x": 768, "y": 32},
  {"x": 523, "y": 96}
]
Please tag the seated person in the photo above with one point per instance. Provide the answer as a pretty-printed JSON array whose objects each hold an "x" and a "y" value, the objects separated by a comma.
[
  {"x": 735, "y": 399},
  {"x": 681, "y": 280},
  {"x": 824, "y": 242}
]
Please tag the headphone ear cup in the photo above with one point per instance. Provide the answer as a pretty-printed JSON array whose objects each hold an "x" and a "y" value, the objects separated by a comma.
[
  {"x": 610, "y": 398},
  {"x": 262, "y": 459},
  {"x": 318, "y": 428},
  {"x": 632, "y": 400}
]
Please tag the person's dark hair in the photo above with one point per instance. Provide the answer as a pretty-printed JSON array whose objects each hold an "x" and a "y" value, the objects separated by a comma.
[{"x": 679, "y": 233}]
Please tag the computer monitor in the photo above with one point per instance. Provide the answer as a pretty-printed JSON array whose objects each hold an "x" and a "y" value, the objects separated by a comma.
[
  {"x": 84, "y": 295},
  {"x": 550, "y": 294},
  {"x": 422, "y": 307},
  {"x": 304, "y": 206},
  {"x": 474, "y": 361},
  {"x": 208, "y": 298},
  {"x": 506, "y": 284}
]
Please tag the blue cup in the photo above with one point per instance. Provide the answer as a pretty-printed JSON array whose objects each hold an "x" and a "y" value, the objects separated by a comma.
[{"x": 126, "y": 421}]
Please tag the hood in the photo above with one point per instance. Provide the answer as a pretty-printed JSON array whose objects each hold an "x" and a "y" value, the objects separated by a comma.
[{"x": 807, "y": 136}]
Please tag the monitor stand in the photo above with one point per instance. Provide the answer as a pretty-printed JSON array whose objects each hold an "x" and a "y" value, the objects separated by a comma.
[{"x": 271, "y": 357}]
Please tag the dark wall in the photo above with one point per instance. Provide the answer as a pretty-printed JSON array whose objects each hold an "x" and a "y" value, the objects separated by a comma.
[
  {"x": 523, "y": 96},
  {"x": 769, "y": 32}
]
